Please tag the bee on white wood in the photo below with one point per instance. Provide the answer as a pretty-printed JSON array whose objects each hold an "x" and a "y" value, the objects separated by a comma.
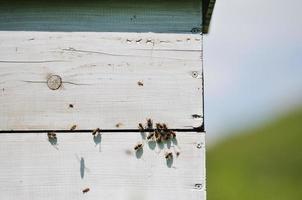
[
  {"x": 138, "y": 147},
  {"x": 73, "y": 127},
  {"x": 169, "y": 156},
  {"x": 141, "y": 127},
  {"x": 96, "y": 131},
  {"x": 158, "y": 136},
  {"x": 118, "y": 125},
  {"x": 159, "y": 126},
  {"x": 140, "y": 83},
  {"x": 52, "y": 135},
  {"x": 149, "y": 124},
  {"x": 150, "y": 136},
  {"x": 85, "y": 190}
]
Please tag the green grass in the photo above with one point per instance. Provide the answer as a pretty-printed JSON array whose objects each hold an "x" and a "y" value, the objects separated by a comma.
[{"x": 261, "y": 164}]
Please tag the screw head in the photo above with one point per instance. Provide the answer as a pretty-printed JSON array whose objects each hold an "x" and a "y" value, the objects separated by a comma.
[
  {"x": 195, "y": 30},
  {"x": 198, "y": 186},
  {"x": 194, "y": 74},
  {"x": 54, "y": 82}
]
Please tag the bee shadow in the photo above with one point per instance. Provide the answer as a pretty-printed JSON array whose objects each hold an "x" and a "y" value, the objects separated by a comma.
[
  {"x": 53, "y": 142},
  {"x": 168, "y": 143},
  {"x": 161, "y": 145},
  {"x": 169, "y": 162},
  {"x": 139, "y": 153},
  {"x": 82, "y": 167},
  {"x": 174, "y": 141},
  {"x": 143, "y": 134},
  {"x": 98, "y": 140},
  {"x": 152, "y": 144}
]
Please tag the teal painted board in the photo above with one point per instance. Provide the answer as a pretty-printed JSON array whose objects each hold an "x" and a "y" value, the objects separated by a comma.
[{"x": 162, "y": 16}]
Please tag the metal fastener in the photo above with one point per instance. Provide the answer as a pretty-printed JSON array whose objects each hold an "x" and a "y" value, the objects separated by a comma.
[
  {"x": 194, "y": 74},
  {"x": 198, "y": 186},
  {"x": 195, "y": 30}
]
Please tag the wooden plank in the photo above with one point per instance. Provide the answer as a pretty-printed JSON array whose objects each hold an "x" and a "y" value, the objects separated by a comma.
[
  {"x": 32, "y": 168},
  {"x": 166, "y": 16},
  {"x": 102, "y": 76}
]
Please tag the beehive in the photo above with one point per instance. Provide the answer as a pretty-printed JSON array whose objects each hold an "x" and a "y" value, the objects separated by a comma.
[{"x": 77, "y": 79}]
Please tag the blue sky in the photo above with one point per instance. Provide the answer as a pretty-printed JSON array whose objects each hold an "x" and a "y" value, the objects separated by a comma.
[{"x": 253, "y": 63}]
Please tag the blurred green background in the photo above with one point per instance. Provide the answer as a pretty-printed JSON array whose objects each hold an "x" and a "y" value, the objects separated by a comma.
[
  {"x": 262, "y": 163},
  {"x": 253, "y": 98}
]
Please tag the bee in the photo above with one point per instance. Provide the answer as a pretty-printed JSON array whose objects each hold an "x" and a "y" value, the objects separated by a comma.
[
  {"x": 149, "y": 124},
  {"x": 159, "y": 126},
  {"x": 151, "y": 135},
  {"x": 138, "y": 147},
  {"x": 166, "y": 136},
  {"x": 169, "y": 156},
  {"x": 73, "y": 127},
  {"x": 140, "y": 127},
  {"x": 118, "y": 125},
  {"x": 157, "y": 134},
  {"x": 164, "y": 127},
  {"x": 178, "y": 154},
  {"x": 159, "y": 139},
  {"x": 172, "y": 134},
  {"x": 140, "y": 83},
  {"x": 85, "y": 190},
  {"x": 51, "y": 135},
  {"x": 95, "y": 131}
]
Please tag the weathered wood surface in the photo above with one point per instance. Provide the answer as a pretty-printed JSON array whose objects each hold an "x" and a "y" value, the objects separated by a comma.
[
  {"x": 32, "y": 168},
  {"x": 166, "y": 16},
  {"x": 100, "y": 77}
]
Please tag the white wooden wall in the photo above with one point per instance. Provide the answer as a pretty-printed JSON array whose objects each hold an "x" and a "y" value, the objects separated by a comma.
[
  {"x": 100, "y": 74},
  {"x": 32, "y": 168}
]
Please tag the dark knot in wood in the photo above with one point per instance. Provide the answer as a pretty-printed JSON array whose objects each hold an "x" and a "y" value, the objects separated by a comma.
[{"x": 54, "y": 82}]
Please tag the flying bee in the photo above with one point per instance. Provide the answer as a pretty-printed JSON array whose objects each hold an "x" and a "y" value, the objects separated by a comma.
[
  {"x": 169, "y": 156},
  {"x": 149, "y": 124},
  {"x": 177, "y": 153},
  {"x": 51, "y": 135},
  {"x": 138, "y": 147},
  {"x": 85, "y": 190},
  {"x": 140, "y": 127},
  {"x": 151, "y": 135},
  {"x": 73, "y": 127},
  {"x": 95, "y": 131}
]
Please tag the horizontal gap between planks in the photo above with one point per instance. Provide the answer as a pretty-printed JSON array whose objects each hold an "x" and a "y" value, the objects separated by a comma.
[{"x": 197, "y": 129}]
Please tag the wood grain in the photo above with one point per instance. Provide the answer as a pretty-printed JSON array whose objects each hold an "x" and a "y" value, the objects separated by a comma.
[
  {"x": 32, "y": 168},
  {"x": 109, "y": 80}
]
